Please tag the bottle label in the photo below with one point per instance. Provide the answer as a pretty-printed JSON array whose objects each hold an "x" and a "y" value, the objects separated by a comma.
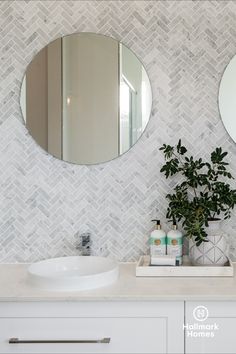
[
  {"x": 157, "y": 241},
  {"x": 175, "y": 241},
  {"x": 158, "y": 250},
  {"x": 157, "y": 246},
  {"x": 175, "y": 246}
]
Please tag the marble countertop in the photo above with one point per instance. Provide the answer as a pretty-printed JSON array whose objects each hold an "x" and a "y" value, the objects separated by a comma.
[{"x": 14, "y": 286}]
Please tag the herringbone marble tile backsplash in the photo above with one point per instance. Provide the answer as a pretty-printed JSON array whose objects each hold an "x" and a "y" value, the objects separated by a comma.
[{"x": 185, "y": 46}]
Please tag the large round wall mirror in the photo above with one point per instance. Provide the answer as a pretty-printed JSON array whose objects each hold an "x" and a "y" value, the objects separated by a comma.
[
  {"x": 227, "y": 98},
  {"x": 86, "y": 98}
]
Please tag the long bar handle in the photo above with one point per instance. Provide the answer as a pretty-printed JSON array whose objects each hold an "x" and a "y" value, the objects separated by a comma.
[{"x": 49, "y": 341}]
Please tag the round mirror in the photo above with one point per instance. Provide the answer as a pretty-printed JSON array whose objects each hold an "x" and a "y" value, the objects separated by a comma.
[
  {"x": 227, "y": 98},
  {"x": 86, "y": 98}
]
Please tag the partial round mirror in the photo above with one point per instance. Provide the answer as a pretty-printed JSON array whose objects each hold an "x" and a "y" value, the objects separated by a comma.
[
  {"x": 227, "y": 98},
  {"x": 86, "y": 98}
]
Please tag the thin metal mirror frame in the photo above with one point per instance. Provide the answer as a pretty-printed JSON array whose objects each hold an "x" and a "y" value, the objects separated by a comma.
[{"x": 98, "y": 163}]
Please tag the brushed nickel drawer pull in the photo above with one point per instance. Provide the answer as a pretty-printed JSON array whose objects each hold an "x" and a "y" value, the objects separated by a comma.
[{"x": 49, "y": 341}]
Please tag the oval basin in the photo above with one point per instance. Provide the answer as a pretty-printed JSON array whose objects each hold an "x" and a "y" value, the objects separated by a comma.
[{"x": 73, "y": 273}]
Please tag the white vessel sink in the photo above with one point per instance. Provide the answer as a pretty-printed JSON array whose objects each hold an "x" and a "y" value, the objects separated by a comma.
[{"x": 73, "y": 273}]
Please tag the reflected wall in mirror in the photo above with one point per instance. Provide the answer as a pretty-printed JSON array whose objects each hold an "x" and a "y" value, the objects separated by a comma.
[
  {"x": 86, "y": 98},
  {"x": 227, "y": 98}
]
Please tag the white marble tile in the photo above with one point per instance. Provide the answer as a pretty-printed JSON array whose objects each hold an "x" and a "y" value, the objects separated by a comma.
[{"x": 185, "y": 46}]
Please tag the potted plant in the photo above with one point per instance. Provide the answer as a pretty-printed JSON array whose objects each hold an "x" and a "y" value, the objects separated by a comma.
[{"x": 200, "y": 200}]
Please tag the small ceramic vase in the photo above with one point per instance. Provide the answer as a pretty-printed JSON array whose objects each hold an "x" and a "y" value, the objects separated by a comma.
[{"x": 211, "y": 253}]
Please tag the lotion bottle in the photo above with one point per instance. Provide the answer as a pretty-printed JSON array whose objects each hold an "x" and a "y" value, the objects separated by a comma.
[
  {"x": 157, "y": 240},
  {"x": 175, "y": 244}
]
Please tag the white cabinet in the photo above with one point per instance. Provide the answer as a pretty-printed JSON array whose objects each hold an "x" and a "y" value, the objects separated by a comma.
[
  {"x": 118, "y": 327},
  {"x": 114, "y": 327},
  {"x": 214, "y": 334}
]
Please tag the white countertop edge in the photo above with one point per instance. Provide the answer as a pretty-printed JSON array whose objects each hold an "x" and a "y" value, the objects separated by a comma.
[
  {"x": 15, "y": 288},
  {"x": 123, "y": 299}
]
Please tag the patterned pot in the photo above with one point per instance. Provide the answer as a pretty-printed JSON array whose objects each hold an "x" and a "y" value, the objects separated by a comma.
[{"x": 213, "y": 252}]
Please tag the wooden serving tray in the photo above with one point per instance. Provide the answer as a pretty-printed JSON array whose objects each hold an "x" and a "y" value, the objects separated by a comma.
[{"x": 144, "y": 269}]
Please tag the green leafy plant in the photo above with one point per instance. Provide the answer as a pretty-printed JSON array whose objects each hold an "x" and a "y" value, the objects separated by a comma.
[{"x": 202, "y": 194}]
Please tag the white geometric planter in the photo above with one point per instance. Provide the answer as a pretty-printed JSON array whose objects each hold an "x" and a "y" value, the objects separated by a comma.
[{"x": 214, "y": 252}]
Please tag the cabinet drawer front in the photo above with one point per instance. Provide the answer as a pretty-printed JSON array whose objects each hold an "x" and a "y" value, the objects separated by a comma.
[
  {"x": 220, "y": 324},
  {"x": 127, "y": 335}
]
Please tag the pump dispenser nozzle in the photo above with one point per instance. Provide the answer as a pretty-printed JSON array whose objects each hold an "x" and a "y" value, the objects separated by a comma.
[
  {"x": 158, "y": 224},
  {"x": 175, "y": 227}
]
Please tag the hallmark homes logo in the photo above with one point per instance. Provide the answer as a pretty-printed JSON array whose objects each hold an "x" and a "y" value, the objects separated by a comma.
[
  {"x": 199, "y": 329},
  {"x": 200, "y": 313}
]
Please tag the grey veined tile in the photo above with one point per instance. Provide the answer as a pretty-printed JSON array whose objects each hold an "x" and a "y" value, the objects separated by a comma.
[{"x": 45, "y": 202}]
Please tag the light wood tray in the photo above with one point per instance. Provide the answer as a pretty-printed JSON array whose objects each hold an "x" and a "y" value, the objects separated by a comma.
[{"x": 144, "y": 269}]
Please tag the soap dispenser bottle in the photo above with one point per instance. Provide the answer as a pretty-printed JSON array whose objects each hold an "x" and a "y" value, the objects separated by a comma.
[
  {"x": 157, "y": 240},
  {"x": 175, "y": 244}
]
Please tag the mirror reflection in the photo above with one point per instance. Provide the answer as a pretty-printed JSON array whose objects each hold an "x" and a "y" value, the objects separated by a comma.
[
  {"x": 86, "y": 98},
  {"x": 227, "y": 98}
]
